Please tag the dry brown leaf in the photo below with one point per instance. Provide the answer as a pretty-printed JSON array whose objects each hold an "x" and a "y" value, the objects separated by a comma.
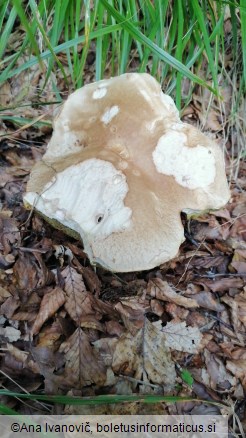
[
  {"x": 77, "y": 300},
  {"x": 9, "y": 235},
  {"x": 238, "y": 369},
  {"x": 51, "y": 302},
  {"x": 132, "y": 311},
  {"x": 29, "y": 310},
  {"x": 202, "y": 231},
  {"x": 145, "y": 352},
  {"x": 49, "y": 336},
  {"x": 89, "y": 321},
  {"x": 206, "y": 300},
  {"x": 177, "y": 311},
  {"x": 240, "y": 267},
  {"x": 196, "y": 319},
  {"x": 80, "y": 303},
  {"x": 238, "y": 262},
  {"x": 181, "y": 338},
  {"x": 4, "y": 294},
  {"x": 163, "y": 291},
  {"x": 9, "y": 307},
  {"x": 222, "y": 284},
  {"x": 90, "y": 277},
  {"x": 156, "y": 307},
  {"x": 233, "y": 352},
  {"x": 23, "y": 358},
  {"x": 220, "y": 379},
  {"x": 238, "y": 306},
  {"x": 83, "y": 364},
  {"x": 31, "y": 272},
  {"x": 238, "y": 229},
  {"x": 105, "y": 348}
]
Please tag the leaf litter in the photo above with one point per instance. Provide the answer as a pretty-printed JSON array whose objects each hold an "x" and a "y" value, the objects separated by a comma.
[{"x": 70, "y": 329}]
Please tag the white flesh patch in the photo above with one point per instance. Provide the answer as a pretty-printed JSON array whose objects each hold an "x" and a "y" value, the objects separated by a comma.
[
  {"x": 99, "y": 93},
  {"x": 192, "y": 167},
  {"x": 88, "y": 198},
  {"x": 110, "y": 114}
]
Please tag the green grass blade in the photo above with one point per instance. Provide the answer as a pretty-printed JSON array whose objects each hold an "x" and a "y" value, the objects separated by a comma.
[
  {"x": 7, "y": 31},
  {"x": 164, "y": 56},
  {"x": 243, "y": 33},
  {"x": 202, "y": 20},
  {"x": 60, "y": 48},
  {"x": 21, "y": 13},
  {"x": 179, "y": 50}
]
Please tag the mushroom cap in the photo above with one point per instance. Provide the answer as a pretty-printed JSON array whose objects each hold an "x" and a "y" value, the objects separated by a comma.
[{"x": 119, "y": 169}]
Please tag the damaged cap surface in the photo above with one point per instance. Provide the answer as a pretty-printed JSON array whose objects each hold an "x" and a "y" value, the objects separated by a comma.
[{"x": 119, "y": 169}]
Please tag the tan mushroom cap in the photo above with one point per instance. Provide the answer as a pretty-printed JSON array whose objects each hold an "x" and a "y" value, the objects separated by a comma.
[{"x": 119, "y": 169}]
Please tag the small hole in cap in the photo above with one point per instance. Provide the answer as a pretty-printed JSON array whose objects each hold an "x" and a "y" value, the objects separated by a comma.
[{"x": 99, "y": 218}]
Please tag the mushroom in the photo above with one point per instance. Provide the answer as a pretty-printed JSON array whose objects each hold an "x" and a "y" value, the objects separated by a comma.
[{"x": 119, "y": 169}]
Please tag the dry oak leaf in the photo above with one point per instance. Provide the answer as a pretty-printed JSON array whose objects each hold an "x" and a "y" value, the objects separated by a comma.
[
  {"x": 181, "y": 338},
  {"x": 50, "y": 303},
  {"x": 163, "y": 291},
  {"x": 83, "y": 364},
  {"x": 146, "y": 352}
]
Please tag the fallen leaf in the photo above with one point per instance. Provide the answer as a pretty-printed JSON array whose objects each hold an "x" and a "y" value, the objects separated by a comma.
[
  {"x": 145, "y": 352},
  {"x": 220, "y": 379},
  {"x": 31, "y": 272},
  {"x": 233, "y": 352},
  {"x": 28, "y": 310},
  {"x": 51, "y": 302},
  {"x": 9, "y": 235},
  {"x": 49, "y": 335},
  {"x": 132, "y": 312},
  {"x": 222, "y": 284},
  {"x": 240, "y": 267},
  {"x": 206, "y": 300},
  {"x": 77, "y": 300},
  {"x": 163, "y": 291},
  {"x": 4, "y": 294},
  {"x": 90, "y": 277},
  {"x": 237, "y": 368},
  {"x": 83, "y": 364},
  {"x": 9, "y": 306},
  {"x": 238, "y": 304},
  {"x": 10, "y": 333},
  {"x": 23, "y": 358},
  {"x": 181, "y": 338}
]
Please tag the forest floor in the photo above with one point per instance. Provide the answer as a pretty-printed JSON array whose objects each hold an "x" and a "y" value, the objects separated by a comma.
[{"x": 68, "y": 328}]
